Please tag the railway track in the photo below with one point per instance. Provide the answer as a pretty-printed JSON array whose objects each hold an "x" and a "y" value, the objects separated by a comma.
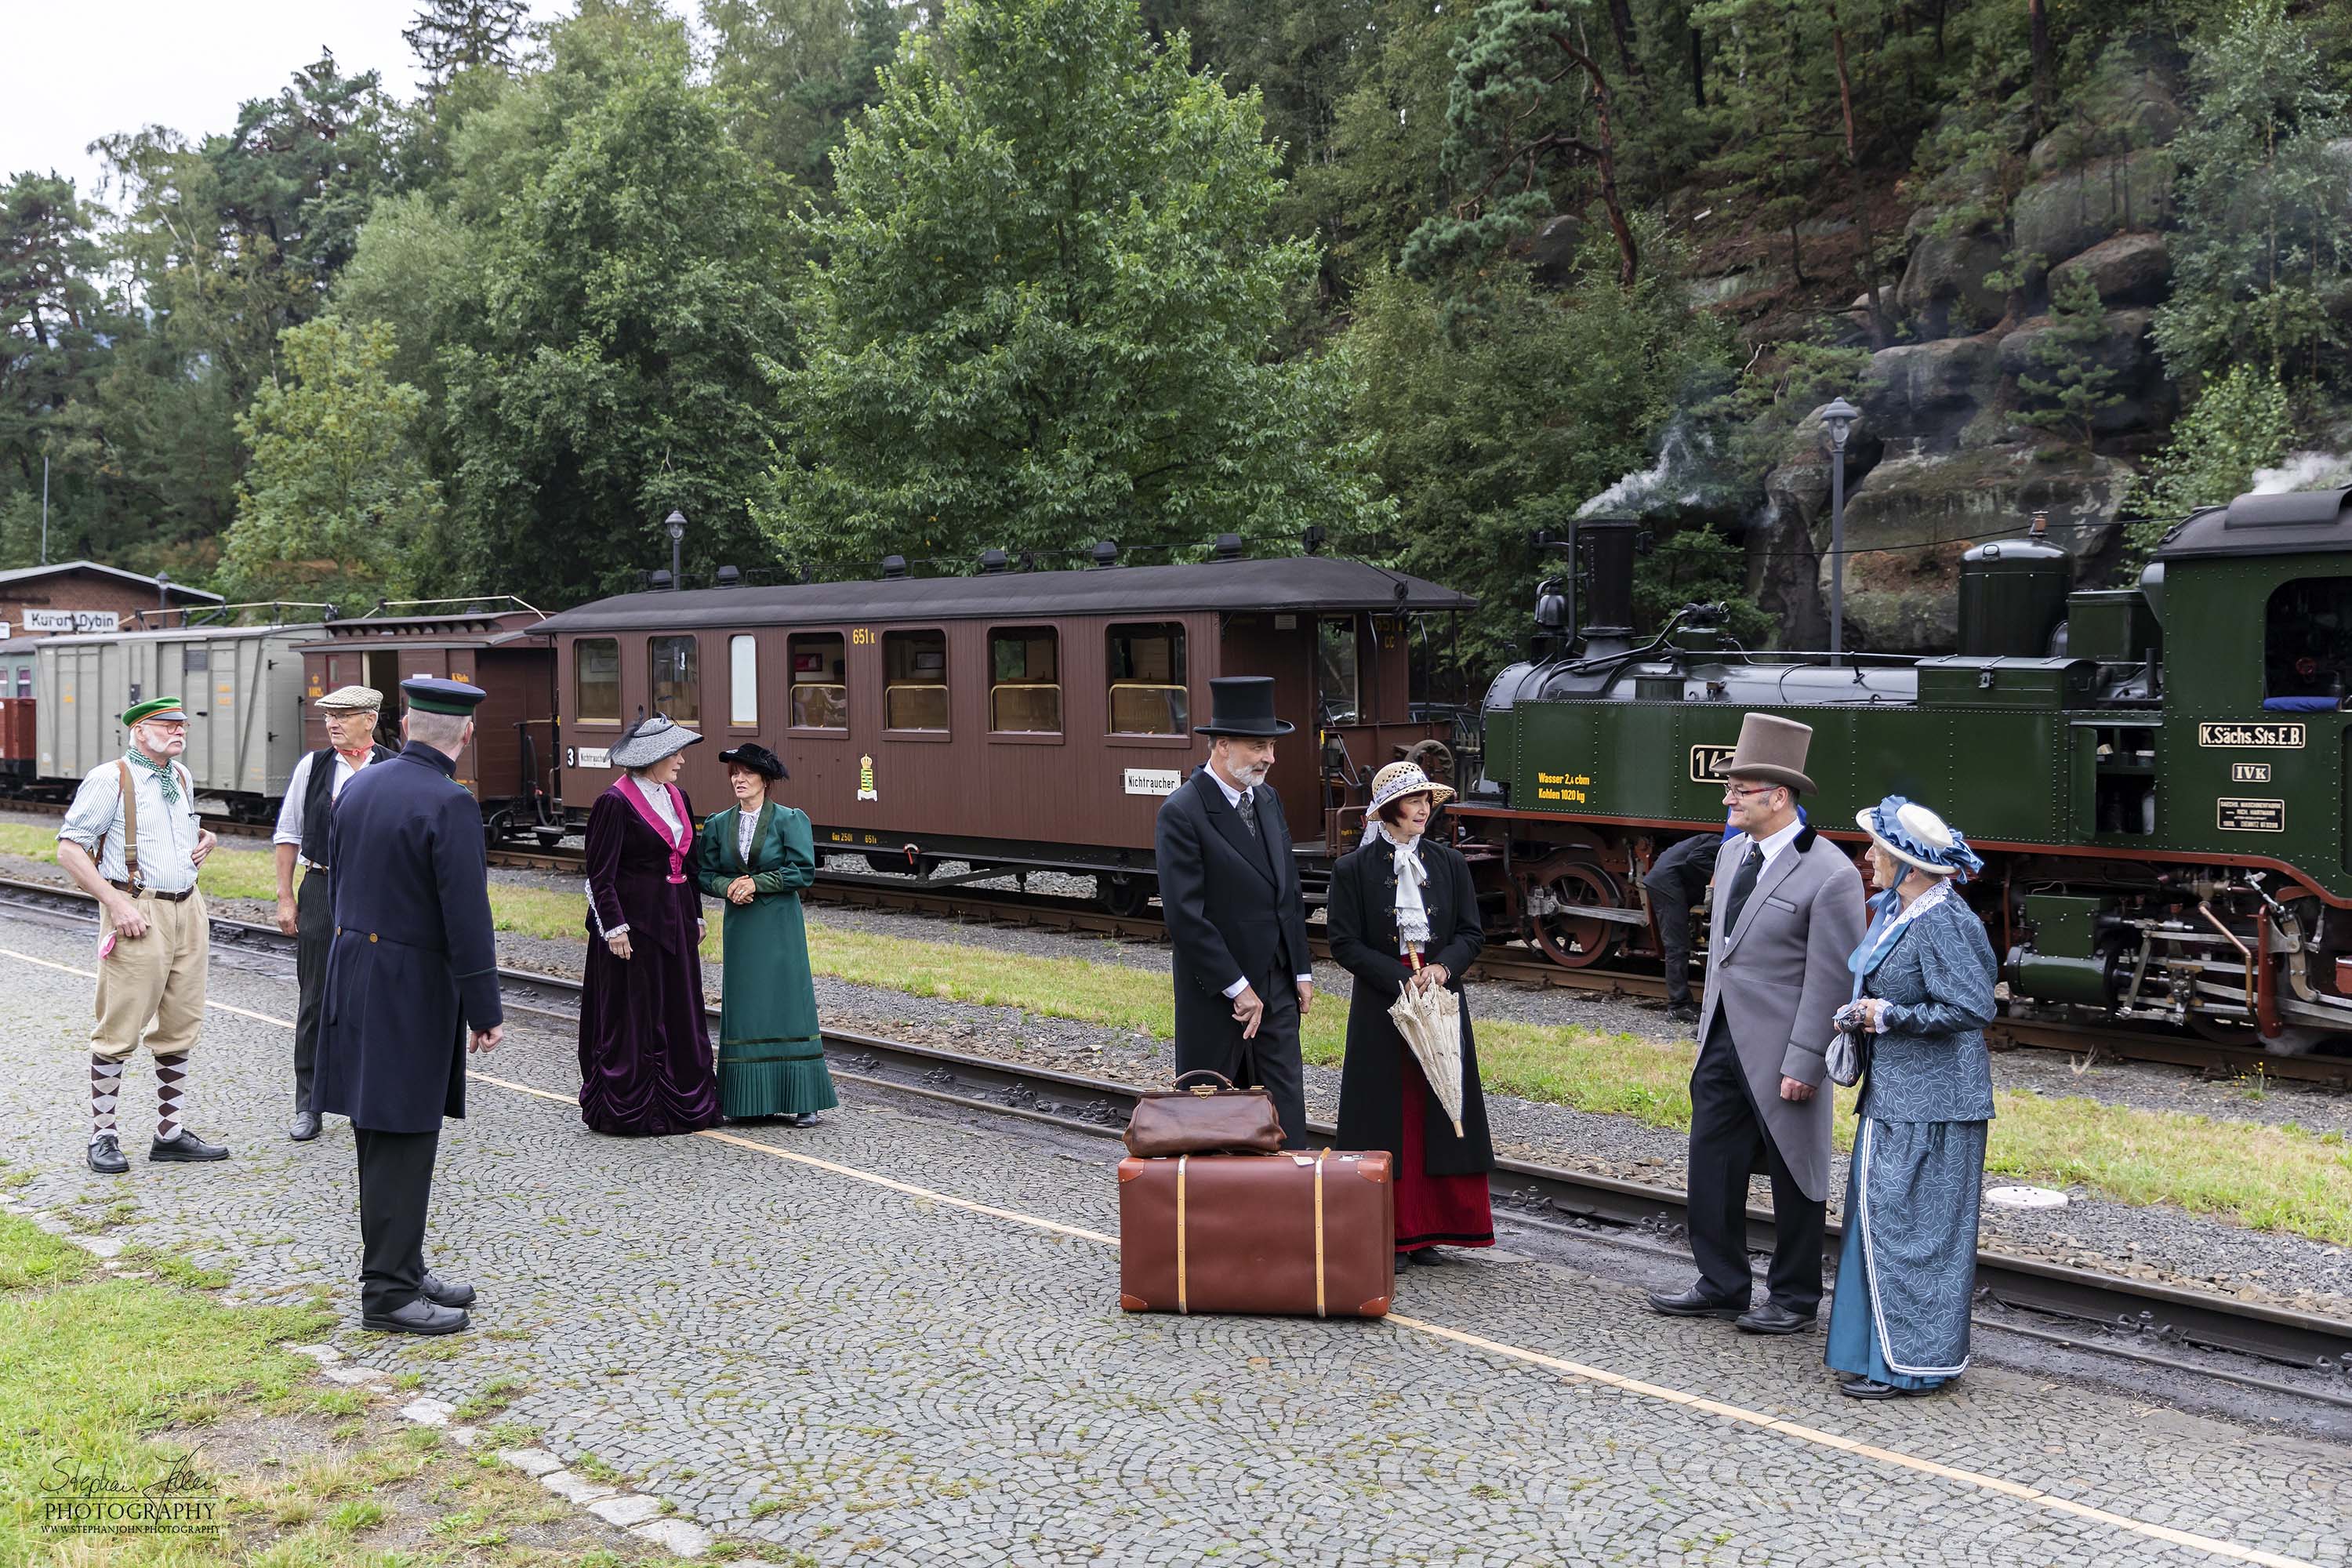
[
  {"x": 2126, "y": 1313},
  {"x": 1049, "y": 912}
]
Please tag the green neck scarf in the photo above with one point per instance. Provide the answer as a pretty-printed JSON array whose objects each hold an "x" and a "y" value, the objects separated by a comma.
[{"x": 164, "y": 773}]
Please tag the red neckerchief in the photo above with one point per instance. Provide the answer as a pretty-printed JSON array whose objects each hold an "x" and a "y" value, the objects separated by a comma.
[
  {"x": 635, "y": 797},
  {"x": 358, "y": 759}
]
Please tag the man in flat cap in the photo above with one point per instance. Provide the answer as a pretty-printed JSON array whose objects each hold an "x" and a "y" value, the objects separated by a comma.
[
  {"x": 131, "y": 840},
  {"x": 412, "y": 979},
  {"x": 318, "y": 782},
  {"x": 1788, "y": 911}
]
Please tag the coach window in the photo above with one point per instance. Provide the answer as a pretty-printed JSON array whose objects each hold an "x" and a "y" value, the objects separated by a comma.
[
  {"x": 915, "y": 681},
  {"x": 1024, "y": 680},
  {"x": 595, "y": 679},
  {"x": 1147, "y": 680},
  {"x": 674, "y": 677},
  {"x": 820, "y": 681},
  {"x": 743, "y": 681},
  {"x": 2308, "y": 645}
]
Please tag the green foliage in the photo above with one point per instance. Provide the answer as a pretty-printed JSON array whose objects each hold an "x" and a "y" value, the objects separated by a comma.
[
  {"x": 2239, "y": 424},
  {"x": 2262, "y": 265},
  {"x": 56, "y": 327},
  {"x": 2070, "y": 383},
  {"x": 1043, "y": 310},
  {"x": 454, "y": 36},
  {"x": 1489, "y": 427},
  {"x": 795, "y": 72},
  {"x": 1774, "y": 110},
  {"x": 1697, "y": 566},
  {"x": 607, "y": 311},
  {"x": 1382, "y": 179},
  {"x": 337, "y": 503}
]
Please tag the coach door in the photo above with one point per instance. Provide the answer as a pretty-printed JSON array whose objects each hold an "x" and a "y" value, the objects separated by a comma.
[{"x": 1284, "y": 647}]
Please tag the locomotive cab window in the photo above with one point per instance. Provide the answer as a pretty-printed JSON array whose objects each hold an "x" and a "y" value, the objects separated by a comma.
[
  {"x": 1025, "y": 687},
  {"x": 595, "y": 681},
  {"x": 674, "y": 678},
  {"x": 820, "y": 681},
  {"x": 1335, "y": 671},
  {"x": 1148, "y": 695},
  {"x": 915, "y": 680},
  {"x": 743, "y": 681},
  {"x": 2308, "y": 645}
]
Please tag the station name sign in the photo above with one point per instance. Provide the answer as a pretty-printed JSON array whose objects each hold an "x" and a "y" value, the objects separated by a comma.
[
  {"x": 2284, "y": 737},
  {"x": 69, "y": 620}
]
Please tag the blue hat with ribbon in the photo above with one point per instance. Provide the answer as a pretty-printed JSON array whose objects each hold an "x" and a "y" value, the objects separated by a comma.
[{"x": 1919, "y": 838}]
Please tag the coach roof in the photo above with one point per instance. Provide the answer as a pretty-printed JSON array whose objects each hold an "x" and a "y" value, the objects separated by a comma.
[{"x": 1299, "y": 582}]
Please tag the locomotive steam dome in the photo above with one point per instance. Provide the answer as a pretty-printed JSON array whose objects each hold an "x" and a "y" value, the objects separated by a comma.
[{"x": 2013, "y": 596}]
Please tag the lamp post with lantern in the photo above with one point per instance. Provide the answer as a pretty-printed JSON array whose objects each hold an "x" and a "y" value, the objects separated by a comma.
[
  {"x": 677, "y": 526},
  {"x": 1838, "y": 419}
]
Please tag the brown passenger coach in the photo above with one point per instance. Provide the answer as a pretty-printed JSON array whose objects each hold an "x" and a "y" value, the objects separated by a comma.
[{"x": 1020, "y": 720}]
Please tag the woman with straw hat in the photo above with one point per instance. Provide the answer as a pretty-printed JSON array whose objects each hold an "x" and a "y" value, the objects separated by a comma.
[
  {"x": 644, "y": 1047},
  {"x": 1402, "y": 913},
  {"x": 1923, "y": 992}
]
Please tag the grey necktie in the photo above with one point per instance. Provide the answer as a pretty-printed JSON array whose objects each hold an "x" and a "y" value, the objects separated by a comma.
[{"x": 1247, "y": 806}]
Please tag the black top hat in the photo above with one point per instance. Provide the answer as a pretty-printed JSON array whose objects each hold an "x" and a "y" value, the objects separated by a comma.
[
  {"x": 1242, "y": 705},
  {"x": 758, "y": 758}
]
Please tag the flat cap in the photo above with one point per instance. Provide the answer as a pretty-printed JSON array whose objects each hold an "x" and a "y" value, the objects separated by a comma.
[
  {"x": 432, "y": 694},
  {"x": 350, "y": 700},
  {"x": 154, "y": 708}
]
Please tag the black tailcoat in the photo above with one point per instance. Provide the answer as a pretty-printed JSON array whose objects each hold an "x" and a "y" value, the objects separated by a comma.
[
  {"x": 1234, "y": 912},
  {"x": 1362, "y": 916},
  {"x": 414, "y": 964}
]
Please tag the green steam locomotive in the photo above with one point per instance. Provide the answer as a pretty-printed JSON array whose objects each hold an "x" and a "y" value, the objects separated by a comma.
[{"x": 2159, "y": 777}]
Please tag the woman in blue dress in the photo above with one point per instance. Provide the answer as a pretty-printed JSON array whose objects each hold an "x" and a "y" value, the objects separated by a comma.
[{"x": 1923, "y": 992}]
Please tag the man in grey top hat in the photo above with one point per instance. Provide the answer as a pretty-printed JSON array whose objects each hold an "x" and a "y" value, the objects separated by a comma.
[
  {"x": 1788, "y": 911},
  {"x": 318, "y": 782}
]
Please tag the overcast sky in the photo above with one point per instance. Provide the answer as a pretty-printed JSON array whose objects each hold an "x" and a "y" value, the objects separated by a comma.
[{"x": 81, "y": 71}]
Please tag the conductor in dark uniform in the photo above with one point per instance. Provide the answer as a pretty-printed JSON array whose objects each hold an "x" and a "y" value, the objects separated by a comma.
[
  {"x": 412, "y": 974},
  {"x": 1229, "y": 889}
]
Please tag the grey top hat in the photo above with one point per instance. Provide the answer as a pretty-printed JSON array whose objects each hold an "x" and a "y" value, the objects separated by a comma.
[
  {"x": 648, "y": 740},
  {"x": 1772, "y": 749}
]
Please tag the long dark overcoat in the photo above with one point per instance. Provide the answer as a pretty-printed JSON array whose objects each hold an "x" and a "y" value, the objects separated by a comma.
[
  {"x": 413, "y": 964},
  {"x": 1363, "y": 931},
  {"x": 1233, "y": 911}
]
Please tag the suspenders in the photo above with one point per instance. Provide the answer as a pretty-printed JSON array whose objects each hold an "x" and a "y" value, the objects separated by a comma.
[{"x": 130, "y": 826}]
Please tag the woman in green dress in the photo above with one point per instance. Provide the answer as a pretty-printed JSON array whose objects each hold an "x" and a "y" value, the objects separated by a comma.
[{"x": 758, "y": 856}]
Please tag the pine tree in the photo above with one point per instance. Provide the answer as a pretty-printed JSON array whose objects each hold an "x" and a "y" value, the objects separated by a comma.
[
  {"x": 2069, "y": 381},
  {"x": 452, "y": 35}
]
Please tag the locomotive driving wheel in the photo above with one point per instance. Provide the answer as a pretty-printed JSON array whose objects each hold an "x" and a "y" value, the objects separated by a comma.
[{"x": 1552, "y": 890}]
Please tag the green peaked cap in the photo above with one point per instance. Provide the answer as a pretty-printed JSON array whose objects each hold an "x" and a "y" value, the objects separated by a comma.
[{"x": 153, "y": 708}]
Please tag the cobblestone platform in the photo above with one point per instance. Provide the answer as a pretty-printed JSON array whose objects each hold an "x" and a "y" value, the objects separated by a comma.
[{"x": 817, "y": 1338}]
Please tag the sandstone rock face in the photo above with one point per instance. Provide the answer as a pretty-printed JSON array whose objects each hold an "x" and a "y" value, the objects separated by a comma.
[
  {"x": 1928, "y": 392},
  {"x": 1943, "y": 286},
  {"x": 2125, "y": 269},
  {"x": 2128, "y": 352},
  {"x": 1912, "y": 517},
  {"x": 2067, "y": 213}
]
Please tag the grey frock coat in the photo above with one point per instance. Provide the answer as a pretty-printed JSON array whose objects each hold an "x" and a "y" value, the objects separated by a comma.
[{"x": 1777, "y": 978}]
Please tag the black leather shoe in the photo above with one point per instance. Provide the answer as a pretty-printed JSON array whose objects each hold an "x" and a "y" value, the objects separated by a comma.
[
  {"x": 419, "y": 1317},
  {"x": 1683, "y": 1013},
  {"x": 808, "y": 1119},
  {"x": 1863, "y": 1388},
  {"x": 1772, "y": 1318},
  {"x": 105, "y": 1155},
  {"x": 441, "y": 1293},
  {"x": 186, "y": 1149},
  {"x": 305, "y": 1128},
  {"x": 1694, "y": 1303},
  {"x": 1405, "y": 1261}
]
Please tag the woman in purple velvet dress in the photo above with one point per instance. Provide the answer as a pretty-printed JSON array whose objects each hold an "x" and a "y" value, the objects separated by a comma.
[{"x": 646, "y": 1064}]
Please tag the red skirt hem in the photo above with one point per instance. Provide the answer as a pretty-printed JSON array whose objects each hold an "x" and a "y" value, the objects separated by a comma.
[{"x": 1435, "y": 1211}]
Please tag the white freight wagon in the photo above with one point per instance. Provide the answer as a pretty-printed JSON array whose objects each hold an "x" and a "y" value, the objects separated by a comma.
[{"x": 242, "y": 687}]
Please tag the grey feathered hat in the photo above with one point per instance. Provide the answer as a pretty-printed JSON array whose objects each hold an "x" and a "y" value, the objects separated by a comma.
[{"x": 648, "y": 740}]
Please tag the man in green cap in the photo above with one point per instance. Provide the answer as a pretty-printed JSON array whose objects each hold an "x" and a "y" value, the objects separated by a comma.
[{"x": 132, "y": 841}]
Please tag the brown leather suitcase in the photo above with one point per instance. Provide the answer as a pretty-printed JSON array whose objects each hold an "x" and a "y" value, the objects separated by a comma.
[{"x": 1311, "y": 1233}]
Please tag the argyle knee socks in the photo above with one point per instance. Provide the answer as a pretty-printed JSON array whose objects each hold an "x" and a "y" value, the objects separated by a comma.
[
  {"x": 105, "y": 1094},
  {"x": 170, "y": 1079}
]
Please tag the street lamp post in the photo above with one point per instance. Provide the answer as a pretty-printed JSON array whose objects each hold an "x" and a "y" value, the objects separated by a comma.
[
  {"x": 1839, "y": 418},
  {"x": 676, "y": 525},
  {"x": 163, "y": 590}
]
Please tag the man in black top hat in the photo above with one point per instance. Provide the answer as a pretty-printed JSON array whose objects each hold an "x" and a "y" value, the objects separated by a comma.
[
  {"x": 412, "y": 980},
  {"x": 1229, "y": 889}
]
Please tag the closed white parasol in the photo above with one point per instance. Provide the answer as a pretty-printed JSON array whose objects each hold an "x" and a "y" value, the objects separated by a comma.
[{"x": 1431, "y": 1021}]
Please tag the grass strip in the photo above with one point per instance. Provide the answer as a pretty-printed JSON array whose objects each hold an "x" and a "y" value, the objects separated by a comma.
[{"x": 2258, "y": 1175}]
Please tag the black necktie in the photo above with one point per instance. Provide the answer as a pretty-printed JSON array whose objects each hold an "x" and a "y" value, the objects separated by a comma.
[
  {"x": 1247, "y": 806},
  {"x": 1741, "y": 886}
]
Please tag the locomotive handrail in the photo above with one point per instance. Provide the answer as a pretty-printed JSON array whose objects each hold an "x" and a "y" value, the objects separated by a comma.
[{"x": 515, "y": 599}]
